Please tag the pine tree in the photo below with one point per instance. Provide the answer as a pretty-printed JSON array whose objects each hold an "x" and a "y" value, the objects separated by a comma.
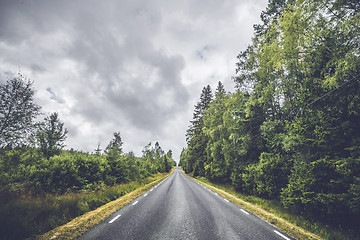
[
  {"x": 196, "y": 138},
  {"x": 196, "y": 124},
  {"x": 220, "y": 90}
]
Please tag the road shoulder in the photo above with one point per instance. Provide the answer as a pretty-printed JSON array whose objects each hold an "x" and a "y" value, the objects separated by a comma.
[
  {"x": 285, "y": 226},
  {"x": 84, "y": 223}
]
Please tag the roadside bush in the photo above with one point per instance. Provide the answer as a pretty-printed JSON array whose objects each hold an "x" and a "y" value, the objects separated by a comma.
[
  {"x": 324, "y": 189},
  {"x": 69, "y": 172},
  {"x": 268, "y": 177}
]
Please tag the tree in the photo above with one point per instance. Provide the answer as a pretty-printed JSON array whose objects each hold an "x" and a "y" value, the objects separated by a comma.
[
  {"x": 115, "y": 145},
  {"x": 169, "y": 154},
  {"x": 196, "y": 123},
  {"x": 158, "y": 154},
  {"x": 215, "y": 166},
  {"x": 220, "y": 90},
  {"x": 116, "y": 165},
  {"x": 196, "y": 138},
  {"x": 303, "y": 72},
  {"x": 98, "y": 150},
  {"x": 167, "y": 166},
  {"x": 17, "y": 111},
  {"x": 51, "y": 135}
]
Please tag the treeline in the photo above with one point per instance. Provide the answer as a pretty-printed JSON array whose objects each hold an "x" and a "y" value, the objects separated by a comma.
[
  {"x": 291, "y": 132},
  {"x": 38, "y": 194},
  {"x": 43, "y": 186},
  {"x": 28, "y": 169},
  {"x": 32, "y": 155}
]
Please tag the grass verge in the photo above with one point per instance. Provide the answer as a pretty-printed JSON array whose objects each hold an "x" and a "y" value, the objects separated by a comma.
[
  {"x": 258, "y": 209},
  {"x": 85, "y": 222},
  {"x": 272, "y": 211}
]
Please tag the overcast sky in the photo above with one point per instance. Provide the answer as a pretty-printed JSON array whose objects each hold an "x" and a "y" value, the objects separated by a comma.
[{"x": 137, "y": 67}]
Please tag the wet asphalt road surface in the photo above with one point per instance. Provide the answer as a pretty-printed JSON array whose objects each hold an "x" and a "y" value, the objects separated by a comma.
[{"x": 180, "y": 208}]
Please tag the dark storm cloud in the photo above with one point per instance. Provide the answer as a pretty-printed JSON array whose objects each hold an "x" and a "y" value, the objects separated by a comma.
[
  {"x": 120, "y": 38},
  {"x": 132, "y": 66},
  {"x": 104, "y": 37},
  {"x": 21, "y": 19}
]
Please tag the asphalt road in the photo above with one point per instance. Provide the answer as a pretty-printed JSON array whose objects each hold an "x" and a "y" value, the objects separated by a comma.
[{"x": 180, "y": 208}]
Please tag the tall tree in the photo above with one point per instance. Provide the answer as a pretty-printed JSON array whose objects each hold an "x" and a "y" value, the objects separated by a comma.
[
  {"x": 215, "y": 166},
  {"x": 196, "y": 138},
  {"x": 220, "y": 90},
  {"x": 167, "y": 166},
  {"x": 196, "y": 124},
  {"x": 51, "y": 135},
  {"x": 17, "y": 111},
  {"x": 115, "y": 145},
  {"x": 115, "y": 160},
  {"x": 158, "y": 153}
]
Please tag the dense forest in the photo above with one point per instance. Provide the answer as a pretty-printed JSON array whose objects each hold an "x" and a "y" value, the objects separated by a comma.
[
  {"x": 291, "y": 131},
  {"x": 42, "y": 185}
]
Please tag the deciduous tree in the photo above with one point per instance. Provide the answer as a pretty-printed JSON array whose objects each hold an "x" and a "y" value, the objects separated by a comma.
[{"x": 17, "y": 111}]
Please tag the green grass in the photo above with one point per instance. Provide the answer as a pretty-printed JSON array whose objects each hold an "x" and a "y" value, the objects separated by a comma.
[
  {"x": 274, "y": 207},
  {"x": 23, "y": 215}
]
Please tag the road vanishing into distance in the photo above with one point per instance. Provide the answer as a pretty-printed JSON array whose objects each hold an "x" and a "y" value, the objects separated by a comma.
[{"x": 181, "y": 208}]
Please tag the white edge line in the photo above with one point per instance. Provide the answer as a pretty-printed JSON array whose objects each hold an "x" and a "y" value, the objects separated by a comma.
[
  {"x": 226, "y": 200},
  {"x": 151, "y": 190},
  {"x": 281, "y": 235},
  {"x": 244, "y": 211},
  {"x": 145, "y": 194},
  {"x": 113, "y": 220},
  {"x": 135, "y": 203}
]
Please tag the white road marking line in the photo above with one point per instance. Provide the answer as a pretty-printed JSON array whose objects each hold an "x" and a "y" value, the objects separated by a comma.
[
  {"x": 113, "y": 220},
  {"x": 135, "y": 203},
  {"x": 226, "y": 200},
  {"x": 151, "y": 190},
  {"x": 244, "y": 211},
  {"x": 145, "y": 194},
  {"x": 281, "y": 235},
  {"x": 216, "y": 194}
]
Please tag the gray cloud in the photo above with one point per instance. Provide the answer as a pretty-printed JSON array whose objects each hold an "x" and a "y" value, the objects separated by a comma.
[
  {"x": 131, "y": 66},
  {"x": 37, "y": 68}
]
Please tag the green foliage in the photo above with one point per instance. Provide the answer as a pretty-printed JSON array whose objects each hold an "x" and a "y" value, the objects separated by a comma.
[
  {"x": 67, "y": 172},
  {"x": 291, "y": 132},
  {"x": 115, "y": 146},
  {"x": 266, "y": 178},
  {"x": 51, "y": 135},
  {"x": 39, "y": 193},
  {"x": 28, "y": 168},
  {"x": 324, "y": 188},
  {"x": 25, "y": 215}
]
